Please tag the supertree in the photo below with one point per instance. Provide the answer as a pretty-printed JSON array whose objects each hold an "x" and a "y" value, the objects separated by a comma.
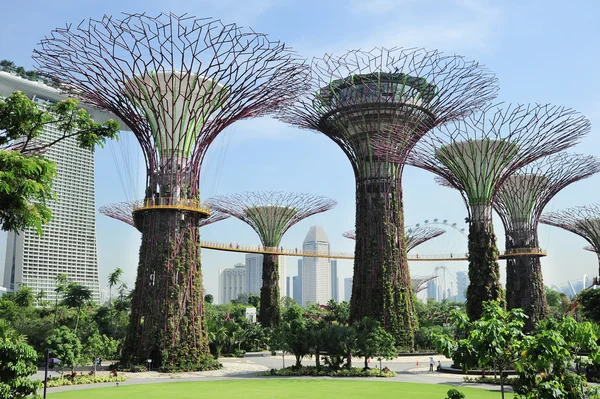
[
  {"x": 405, "y": 93},
  {"x": 413, "y": 235},
  {"x": 583, "y": 221},
  {"x": 476, "y": 155},
  {"x": 520, "y": 202},
  {"x": 123, "y": 211},
  {"x": 176, "y": 82},
  {"x": 418, "y": 282},
  {"x": 270, "y": 214}
]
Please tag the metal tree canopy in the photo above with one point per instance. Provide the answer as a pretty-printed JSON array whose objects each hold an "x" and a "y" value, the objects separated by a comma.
[
  {"x": 523, "y": 195},
  {"x": 413, "y": 235},
  {"x": 175, "y": 81},
  {"x": 477, "y": 154},
  {"x": 583, "y": 221},
  {"x": 123, "y": 211},
  {"x": 404, "y": 92},
  {"x": 271, "y": 213}
]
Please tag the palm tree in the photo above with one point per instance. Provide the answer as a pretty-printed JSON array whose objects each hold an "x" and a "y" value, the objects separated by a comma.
[
  {"x": 61, "y": 282},
  {"x": 76, "y": 296},
  {"x": 24, "y": 297},
  {"x": 114, "y": 279}
]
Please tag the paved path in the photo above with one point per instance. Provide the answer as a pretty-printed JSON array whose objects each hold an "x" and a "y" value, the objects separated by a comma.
[{"x": 250, "y": 367}]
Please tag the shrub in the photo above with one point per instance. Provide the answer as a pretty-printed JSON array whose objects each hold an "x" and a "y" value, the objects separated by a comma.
[
  {"x": 83, "y": 379},
  {"x": 329, "y": 372},
  {"x": 455, "y": 394}
]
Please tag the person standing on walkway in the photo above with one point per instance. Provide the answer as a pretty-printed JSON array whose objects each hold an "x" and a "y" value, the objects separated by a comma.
[{"x": 431, "y": 363}]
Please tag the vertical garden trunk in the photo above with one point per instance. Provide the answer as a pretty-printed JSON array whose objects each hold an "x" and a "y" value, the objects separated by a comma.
[
  {"x": 484, "y": 271},
  {"x": 167, "y": 309},
  {"x": 381, "y": 286},
  {"x": 524, "y": 280},
  {"x": 269, "y": 293}
]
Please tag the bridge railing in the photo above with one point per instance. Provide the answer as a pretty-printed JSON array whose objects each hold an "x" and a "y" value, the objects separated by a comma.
[{"x": 189, "y": 203}]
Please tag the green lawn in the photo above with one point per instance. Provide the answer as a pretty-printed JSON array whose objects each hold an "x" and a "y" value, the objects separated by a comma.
[{"x": 279, "y": 388}]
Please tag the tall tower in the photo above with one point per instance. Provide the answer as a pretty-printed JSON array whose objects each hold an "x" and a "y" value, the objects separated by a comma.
[
  {"x": 334, "y": 281},
  {"x": 232, "y": 283},
  {"x": 297, "y": 283},
  {"x": 68, "y": 245},
  {"x": 316, "y": 272}
]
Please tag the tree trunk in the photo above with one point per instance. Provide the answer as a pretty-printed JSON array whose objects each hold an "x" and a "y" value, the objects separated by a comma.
[
  {"x": 502, "y": 383},
  {"x": 269, "y": 312},
  {"x": 298, "y": 361},
  {"x": 77, "y": 321},
  {"x": 366, "y": 362},
  {"x": 381, "y": 287},
  {"x": 167, "y": 309},
  {"x": 484, "y": 271},
  {"x": 524, "y": 280}
]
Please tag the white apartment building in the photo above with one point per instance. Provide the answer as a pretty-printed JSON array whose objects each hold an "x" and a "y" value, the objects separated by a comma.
[
  {"x": 68, "y": 243},
  {"x": 254, "y": 263},
  {"x": 232, "y": 283},
  {"x": 316, "y": 272}
]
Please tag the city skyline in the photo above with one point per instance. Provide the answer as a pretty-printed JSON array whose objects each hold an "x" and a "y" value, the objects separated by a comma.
[{"x": 265, "y": 154}]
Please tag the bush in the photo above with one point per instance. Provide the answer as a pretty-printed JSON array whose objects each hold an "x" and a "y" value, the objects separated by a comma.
[
  {"x": 329, "y": 372},
  {"x": 455, "y": 394},
  {"x": 491, "y": 380},
  {"x": 83, "y": 379}
]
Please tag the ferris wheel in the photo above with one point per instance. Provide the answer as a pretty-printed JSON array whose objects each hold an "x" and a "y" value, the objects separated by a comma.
[{"x": 446, "y": 223}]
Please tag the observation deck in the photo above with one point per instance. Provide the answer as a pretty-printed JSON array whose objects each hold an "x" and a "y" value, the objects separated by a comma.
[
  {"x": 169, "y": 203},
  {"x": 515, "y": 252}
]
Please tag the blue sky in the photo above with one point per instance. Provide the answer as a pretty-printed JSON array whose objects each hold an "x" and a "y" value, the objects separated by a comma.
[{"x": 542, "y": 51}]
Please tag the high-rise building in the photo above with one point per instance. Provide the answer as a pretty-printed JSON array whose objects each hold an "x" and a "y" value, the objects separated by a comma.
[
  {"x": 297, "y": 284},
  {"x": 462, "y": 282},
  {"x": 316, "y": 272},
  {"x": 334, "y": 281},
  {"x": 254, "y": 264},
  {"x": 288, "y": 291},
  {"x": 347, "y": 289},
  {"x": 232, "y": 283},
  {"x": 432, "y": 290},
  {"x": 68, "y": 243}
]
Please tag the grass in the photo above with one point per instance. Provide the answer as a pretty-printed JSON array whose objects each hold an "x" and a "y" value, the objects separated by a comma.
[{"x": 275, "y": 388}]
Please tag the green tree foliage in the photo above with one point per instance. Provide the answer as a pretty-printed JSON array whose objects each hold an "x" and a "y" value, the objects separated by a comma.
[
  {"x": 77, "y": 296},
  {"x": 17, "y": 363},
  {"x": 114, "y": 278},
  {"x": 25, "y": 175},
  {"x": 209, "y": 298},
  {"x": 66, "y": 346},
  {"x": 373, "y": 341},
  {"x": 589, "y": 303},
  {"x": 24, "y": 297},
  {"x": 99, "y": 346}
]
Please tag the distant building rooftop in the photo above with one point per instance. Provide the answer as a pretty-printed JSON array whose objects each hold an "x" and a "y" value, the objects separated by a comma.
[{"x": 10, "y": 83}]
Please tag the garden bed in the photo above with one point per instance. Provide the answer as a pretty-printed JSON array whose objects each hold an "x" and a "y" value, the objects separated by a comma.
[{"x": 312, "y": 371}]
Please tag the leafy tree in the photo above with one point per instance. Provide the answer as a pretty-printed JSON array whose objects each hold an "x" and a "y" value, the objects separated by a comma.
[
  {"x": 24, "y": 297},
  {"x": 9, "y": 333},
  {"x": 373, "y": 341},
  {"x": 17, "y": 363},
  {"x": 76, "y": 297},
  {"x": 339, "y": 342},
  {"x": 61, "y": 283},
  {"x": 209, "y": 298},
  {"x": 293, "y": 334},
  {"x": 589, "y": 302},
  {"x": 66, "y": 346},
  {"x": 99, "y": 346},
  {"x": 254, "y": 300},
  {"x": 492, "y": 341},
  {"x": 26, "y": 177},
  {"x": 114, "y": 278},
  {"x": 7, "y": 66}
]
